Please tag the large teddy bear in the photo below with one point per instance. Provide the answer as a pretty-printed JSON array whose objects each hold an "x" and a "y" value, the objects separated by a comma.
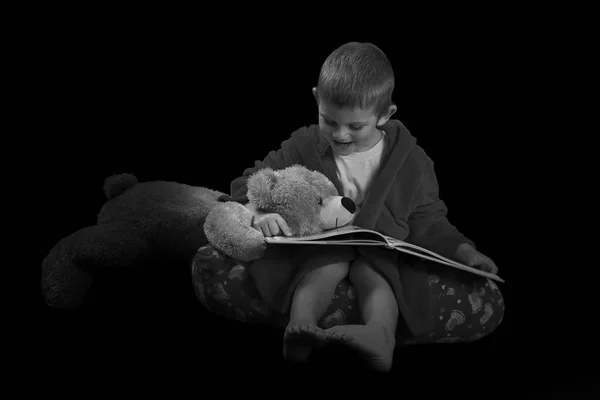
[{"x": 144, "y": 222}]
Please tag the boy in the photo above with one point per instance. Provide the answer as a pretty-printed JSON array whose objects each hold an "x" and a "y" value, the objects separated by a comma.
[{"x": 375, "y": 161}]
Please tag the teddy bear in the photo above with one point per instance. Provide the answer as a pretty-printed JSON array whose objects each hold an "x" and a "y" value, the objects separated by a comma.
[{"x": 142, "y": 222}]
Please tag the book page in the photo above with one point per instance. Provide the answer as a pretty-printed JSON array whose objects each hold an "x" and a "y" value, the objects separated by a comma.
[
  {"x": 351, "y": 235},
  {"x": 337, "y": 233},
  {"x": 422, "y": 252},
  {"x": 343, "y": 242},
  {"x": 399, "y": 243},
  {"x": 454, "y": 264}
]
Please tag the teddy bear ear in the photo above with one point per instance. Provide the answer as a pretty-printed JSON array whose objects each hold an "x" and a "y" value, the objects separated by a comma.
[
  {"x": 308, "y": 174},
  {"x": 260, "y": 185}
]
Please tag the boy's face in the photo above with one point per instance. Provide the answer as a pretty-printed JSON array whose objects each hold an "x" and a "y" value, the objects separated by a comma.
[{"x": 349, "y": 131}]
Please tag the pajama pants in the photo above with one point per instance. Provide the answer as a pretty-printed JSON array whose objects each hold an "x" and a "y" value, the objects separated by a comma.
[{"x": 464, "y": 306}]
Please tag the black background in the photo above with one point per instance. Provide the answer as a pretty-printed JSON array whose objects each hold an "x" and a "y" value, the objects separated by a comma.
[{"x": 166, "y": 102}]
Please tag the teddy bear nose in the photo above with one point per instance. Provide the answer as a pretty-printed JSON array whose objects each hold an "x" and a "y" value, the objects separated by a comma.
[{"x": 348, "y": 204}]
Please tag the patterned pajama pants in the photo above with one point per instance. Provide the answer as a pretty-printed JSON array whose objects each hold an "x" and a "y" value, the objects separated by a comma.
[{"x": 464, "y": 306}]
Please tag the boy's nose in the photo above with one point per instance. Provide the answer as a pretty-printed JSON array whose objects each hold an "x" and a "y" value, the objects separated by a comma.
[
  {"x": 348, "y": 204},
  {"x": 340, "y": 136}
]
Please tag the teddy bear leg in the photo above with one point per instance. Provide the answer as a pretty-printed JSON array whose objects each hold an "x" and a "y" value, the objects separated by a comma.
[
  {"x": 63, "y": 284},
  {"x": 69, "y": 269}
]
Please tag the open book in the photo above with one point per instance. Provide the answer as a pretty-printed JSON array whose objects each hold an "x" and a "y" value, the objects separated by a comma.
[{"x": 351, "y": 235}]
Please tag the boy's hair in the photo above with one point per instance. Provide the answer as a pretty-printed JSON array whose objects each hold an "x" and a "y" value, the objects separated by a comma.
[{"x": 357, "y": 75}]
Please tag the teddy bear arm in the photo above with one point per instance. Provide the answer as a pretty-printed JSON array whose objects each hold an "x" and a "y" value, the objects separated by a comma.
[{"x": 228, "y": 228}]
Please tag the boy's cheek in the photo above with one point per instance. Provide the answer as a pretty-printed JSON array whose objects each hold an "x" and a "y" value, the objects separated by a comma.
[{"x": 324, "y": 132}]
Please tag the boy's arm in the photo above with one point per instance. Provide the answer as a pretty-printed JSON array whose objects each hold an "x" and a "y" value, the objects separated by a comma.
[
  {"x": 286, "y": 156},
  {"x": 429, "y": 227}
]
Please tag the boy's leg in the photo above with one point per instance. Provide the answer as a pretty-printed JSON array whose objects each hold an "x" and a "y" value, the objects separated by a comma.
[
  {"x": 376, "y": 339},
  {"x": 311, "y": 299}
]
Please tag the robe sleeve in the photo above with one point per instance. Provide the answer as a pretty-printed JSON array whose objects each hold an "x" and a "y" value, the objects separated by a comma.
[{"x": 428, "y": 224}]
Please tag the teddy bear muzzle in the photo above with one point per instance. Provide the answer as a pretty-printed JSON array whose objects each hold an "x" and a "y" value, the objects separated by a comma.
[{"x": 337, "y": 211}]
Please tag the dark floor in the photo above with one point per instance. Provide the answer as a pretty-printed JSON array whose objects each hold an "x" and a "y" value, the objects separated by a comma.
[{"x": 167, "y": 341}]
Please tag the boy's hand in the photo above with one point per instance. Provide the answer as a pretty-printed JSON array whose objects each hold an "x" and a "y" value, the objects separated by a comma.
[
  {"x": 271, "y": 225},
  {"x": 467, "y": 255}
]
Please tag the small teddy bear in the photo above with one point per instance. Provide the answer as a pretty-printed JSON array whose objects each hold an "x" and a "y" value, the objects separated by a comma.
[{"x": 307, "y": 200}]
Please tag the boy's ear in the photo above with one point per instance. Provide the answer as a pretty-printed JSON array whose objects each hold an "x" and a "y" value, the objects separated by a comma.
[{"x": 384, "y": 118}]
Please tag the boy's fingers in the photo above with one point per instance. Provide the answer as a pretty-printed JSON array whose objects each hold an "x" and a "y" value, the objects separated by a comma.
[
  {"x": 490, "y": 268},
  {"x": 284, "y": 227},
  {"x": 264, "y": 226},
  {"x": 273, "y": 228}
]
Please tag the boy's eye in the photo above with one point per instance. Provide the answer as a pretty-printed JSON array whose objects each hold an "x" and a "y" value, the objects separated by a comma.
[{"x": 353, "y": 127}]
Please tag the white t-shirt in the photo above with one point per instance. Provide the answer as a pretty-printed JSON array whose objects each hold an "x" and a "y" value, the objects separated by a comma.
[{"x": 356, "y": 171}]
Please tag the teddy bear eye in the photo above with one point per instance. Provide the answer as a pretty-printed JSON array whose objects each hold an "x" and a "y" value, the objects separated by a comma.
[{"x": 320, "y": 201}]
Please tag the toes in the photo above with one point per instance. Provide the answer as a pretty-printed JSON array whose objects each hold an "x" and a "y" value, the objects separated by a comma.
[
  {"x": 290, "y": 330},
  {"x": 299, "y": 340},
  {"x": 320, "y": 334},
  {"x": 334, "y": 332},
  {"x": 306, "y": 330},
  {"x": 313, "y": 329},
  {"x": 335, "y": 329},
  {"x": 337, "y": 336}
]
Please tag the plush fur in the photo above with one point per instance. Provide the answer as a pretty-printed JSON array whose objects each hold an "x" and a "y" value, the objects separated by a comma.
[
  {"x": 144, "y": 222},
  {"x": 307, "y": 200}
]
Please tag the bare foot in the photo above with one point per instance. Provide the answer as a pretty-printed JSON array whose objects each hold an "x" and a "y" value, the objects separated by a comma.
[
  {"x": 299, "y": 339},
  {"x": 373, "y": 342}
]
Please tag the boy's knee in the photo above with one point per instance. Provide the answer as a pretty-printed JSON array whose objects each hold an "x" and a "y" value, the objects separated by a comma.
[
  {"x": 361, "y": 271},
  {"x": 328, "y": 273},
  {"x": 337, "y": 271}
]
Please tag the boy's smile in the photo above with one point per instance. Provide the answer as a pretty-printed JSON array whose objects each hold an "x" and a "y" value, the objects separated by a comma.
[{"x": 349, "y": 131}]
